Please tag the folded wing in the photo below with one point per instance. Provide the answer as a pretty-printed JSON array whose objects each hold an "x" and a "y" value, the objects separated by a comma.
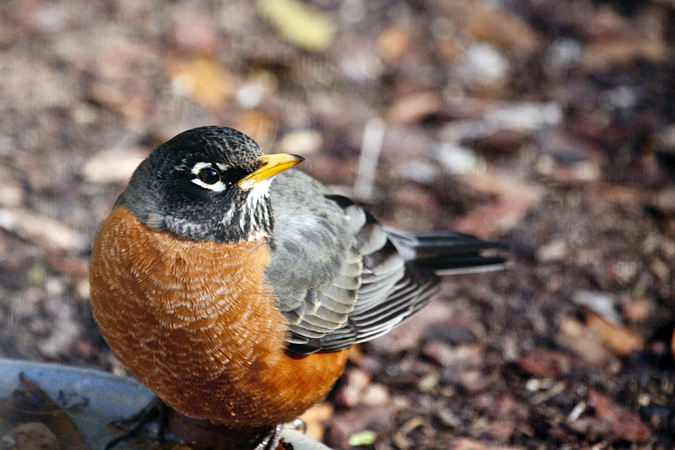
[{"x": 340, "y": 278}]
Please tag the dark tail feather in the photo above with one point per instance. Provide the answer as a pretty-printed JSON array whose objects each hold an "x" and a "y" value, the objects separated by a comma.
[
  {"x": 448, "y": 252},
  {"x": 467, "y": 264}
]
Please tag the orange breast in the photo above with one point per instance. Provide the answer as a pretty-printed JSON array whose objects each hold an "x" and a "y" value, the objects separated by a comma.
[{"x": 195, "y": 323}]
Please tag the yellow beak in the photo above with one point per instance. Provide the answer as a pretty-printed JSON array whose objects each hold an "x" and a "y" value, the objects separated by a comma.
[{"x": 270, "y": 165}]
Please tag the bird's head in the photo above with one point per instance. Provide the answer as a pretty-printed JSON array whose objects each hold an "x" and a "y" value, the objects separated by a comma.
[{"x": 208, "y": 183}]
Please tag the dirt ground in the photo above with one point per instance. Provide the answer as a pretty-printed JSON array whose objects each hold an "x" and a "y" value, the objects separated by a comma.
[{"x": 547, "y": 125}]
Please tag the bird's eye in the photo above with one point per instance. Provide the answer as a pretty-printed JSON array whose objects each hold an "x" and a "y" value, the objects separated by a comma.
[{"x": 209, "y": 175}]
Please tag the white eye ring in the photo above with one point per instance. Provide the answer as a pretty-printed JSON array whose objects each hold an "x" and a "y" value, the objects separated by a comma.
[{"x": 218, "y": 186}]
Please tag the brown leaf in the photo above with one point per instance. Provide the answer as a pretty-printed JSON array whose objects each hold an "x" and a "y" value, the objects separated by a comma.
[
  {"x": 619, "y": 339},
  {"x": 514, "y": 199},
  {"x": 625, "y": 424},
  {"x": 614, "y": 52},
  {"x": 492, "y": 24},
  {"x": 392, "y": 44},
  {"x": 315, "y": 419},
  {"x": 577, "y": 337},
  {"x": 43, "y": 230},
  {"x": 203, "y": 79},
  {"x": 257, "y": 124},
  {"x": 469, "y": 355},
  {"x": 545, "y": 363},
  {"x": 628, "y": 195},
  {"x": 414, "y": 107},
  {"x": 117, "y": 98}
]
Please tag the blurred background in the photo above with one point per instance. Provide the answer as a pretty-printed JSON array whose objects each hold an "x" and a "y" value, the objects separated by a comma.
[{"x": 548, "y": 125}]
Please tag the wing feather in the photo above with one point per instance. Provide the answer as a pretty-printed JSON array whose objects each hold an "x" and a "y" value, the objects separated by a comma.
[{"x": 340, "y": 278}]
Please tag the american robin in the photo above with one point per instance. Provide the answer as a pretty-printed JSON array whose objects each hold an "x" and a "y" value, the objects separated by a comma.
[{"x": 233, "y": 288}]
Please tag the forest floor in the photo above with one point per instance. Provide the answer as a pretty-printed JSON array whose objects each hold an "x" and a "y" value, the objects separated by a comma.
[{"x": 546, "y": 125}]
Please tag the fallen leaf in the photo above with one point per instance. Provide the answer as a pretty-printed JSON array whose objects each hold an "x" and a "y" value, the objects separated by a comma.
[
  {"x": 30, "y": 411},
  {"x": 380, "y": 420},
  {"x": 203, "y": 79},
  {"x": 315, "y": 419},
  {"x": 375, "y": 395},
  {"x": 401, "y": 439},
  {"x": 624, "y": 423},
  {"x": 546, "y": 363},
  {"x": 619, "y": 339},
  {"x": 577, "y": 337},
  {"x": 300, "y": 24},
  {"x": 614, "y": 52},
  {"x": 492, "y": 24},
  {"x": 257, "y": 124},
  {"x": 303, "y": 142},
  {"x": 118, "y": 99},
  {"x": 30, "y": 436},
  {"x": 43, "y": 230},
  {"x": 113, "y": 166},
  {"x": 413, "y": 107},
  {"x": 514, "y": 199},
  {"x": 392, "y": 44},
  {"x": 462, "y": 356},
  {"x": 362, "y": 438}
]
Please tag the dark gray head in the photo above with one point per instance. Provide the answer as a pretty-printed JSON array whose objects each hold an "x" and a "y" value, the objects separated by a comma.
[{"x": 208, "y": 183}]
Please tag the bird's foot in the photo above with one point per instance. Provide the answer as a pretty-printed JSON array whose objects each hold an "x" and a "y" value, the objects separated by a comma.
[
  {"x": 296, "y": 425},
  {"x": 201, "y": 433},
  {"x": 270, "y": 440},
  {"x": 155, "y": 411}
]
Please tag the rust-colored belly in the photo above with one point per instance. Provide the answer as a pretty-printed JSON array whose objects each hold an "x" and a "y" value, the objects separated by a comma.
[{"x": 195, "y": 323}]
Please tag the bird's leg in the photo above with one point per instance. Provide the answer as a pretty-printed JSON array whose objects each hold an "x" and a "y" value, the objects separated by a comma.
[
  {"x": 202, "y": 433},
  {"x": 155, "y": 411},
  {"x": 270, "y": 439}
]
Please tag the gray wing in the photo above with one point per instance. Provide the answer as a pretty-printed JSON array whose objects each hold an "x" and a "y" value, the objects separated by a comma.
[
  {"x": 339, "y": 277},
  {"x": 313, "y": 269}
]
